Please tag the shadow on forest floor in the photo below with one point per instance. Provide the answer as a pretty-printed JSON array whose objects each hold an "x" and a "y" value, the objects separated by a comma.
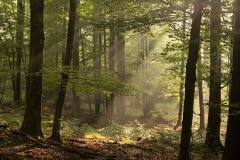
[
  {"x": 15, "y": 145},
  {"x": 138, "y": 139}
]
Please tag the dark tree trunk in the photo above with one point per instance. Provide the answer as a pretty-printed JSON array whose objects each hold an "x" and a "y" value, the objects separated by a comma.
[
  {"x": 32, "y": 119},
  {"x": 110, "y": 101},
  {"x": 214, "y": 114},
  {"x": 65, "y": 77},
  {"x": 184, "y": 153},
  {"x": 105, "y": 48},
  {"x": 200, "y": 93},
  {"x": 75, "y": 64},
  {"x": 97, "y": 51},
  {"x": 232, "y": 143},
  {"x": 19, "y": 49}
]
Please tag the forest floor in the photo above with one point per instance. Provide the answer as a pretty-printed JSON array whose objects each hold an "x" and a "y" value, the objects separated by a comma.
[
  {"x": 141, "y": 139},
  {"x": 15, "y": 145}
]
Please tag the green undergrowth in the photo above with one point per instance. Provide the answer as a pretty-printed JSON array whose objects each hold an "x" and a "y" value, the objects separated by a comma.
[
  {"x": 132, "y": 132},
  {"x": 11, "y": 116}
]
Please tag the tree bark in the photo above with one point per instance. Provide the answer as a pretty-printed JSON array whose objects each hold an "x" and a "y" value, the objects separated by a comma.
[
  {"x": 200, "y": 93},
  {"x": 110, "y": 101},
  {"x": 120, "y": 55},
  {"x": 75, "y": 64},
  {"x": 184, "y": 153},
  {"x": 65, "y": 77},
  {"x": 214, "y": 114},
  {"x": 97, "y": 38},
  {"x": 232, "y": 142},
  {"x": 32, "y": 118},
  {"x": 19, "y": 49}
]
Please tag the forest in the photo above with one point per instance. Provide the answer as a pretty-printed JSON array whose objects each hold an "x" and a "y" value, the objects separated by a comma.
[{"x": 120, "y": 79}]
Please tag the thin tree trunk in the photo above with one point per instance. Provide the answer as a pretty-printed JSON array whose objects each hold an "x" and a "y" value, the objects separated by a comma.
[
  {"x": 105, "y": 48},
  {"x": 200, "y": 93},
  {"x": 65, "y": 77},
  {"x": 19, "y": 49},
  {"x": 64, "y": 28},
  {"x": 194, "y": 44},
  {"x": 97, "y": 38},
  {"x": 120, "y": 48},
  {"x": 90, "y": 106},
  {"x": 181, "y": 93},
  {"x": 181, "y": 87},
  {"x": 110, "y": 106},
  {"x": 75, "y": 63}
]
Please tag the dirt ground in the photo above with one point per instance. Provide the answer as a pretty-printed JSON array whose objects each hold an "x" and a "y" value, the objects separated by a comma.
[{"x": 17, "y": 146}]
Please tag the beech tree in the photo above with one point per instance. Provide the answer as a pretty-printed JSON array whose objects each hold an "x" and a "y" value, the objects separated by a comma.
[
  {"x": 194, "y": 44},
  {"x": 32, "y": 119},
  {"x": 214, "y": 116},
  {"x": 232, "y": 142},
  {"x": 120, "y": 63},
  {"x": 111, "y": 61},
  {"x": 75, "y": 63},
  {"x": 65, "y": 76}
]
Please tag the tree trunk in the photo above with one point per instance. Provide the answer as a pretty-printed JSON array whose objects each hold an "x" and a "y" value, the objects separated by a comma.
[
  {"x": 144, "y": 54},
  {"x": 214, "y": 114},
  {"x": 120, "y": 48},
  {"x": 64, "y": 29},
  {"x": 32, "y": 118},
  {"x": 105, "y": 48},
  {"x": 65, "y": 77},
  {"x": 110, "y": 101},
  {"x": 75, "y": 64},
  {"x": 19, "y": 49},
  {"x": 183, "y": 52},
  {"x": 232, "y": 143},
  {"x": 97, "y": 51},
  {"x": 200, "y": 93},
  {"x": 184, "y": 153}
]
